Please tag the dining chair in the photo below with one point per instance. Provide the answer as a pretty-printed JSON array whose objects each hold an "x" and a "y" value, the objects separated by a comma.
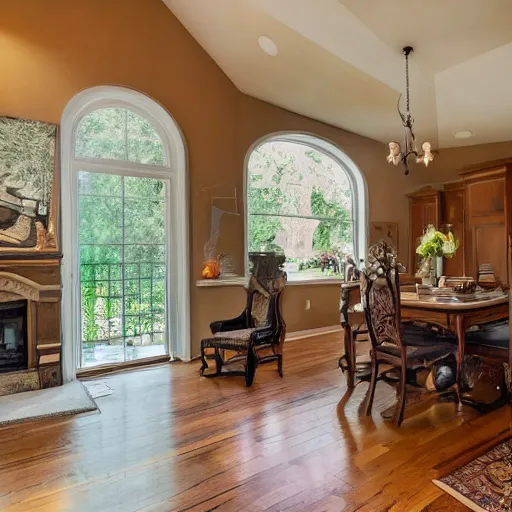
[
  {"x": 353, "y": 323},
  {"x": 380, "y": 294}
]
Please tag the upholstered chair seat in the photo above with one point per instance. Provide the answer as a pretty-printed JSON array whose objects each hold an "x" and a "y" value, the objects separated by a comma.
[{"x": 492, "y": 335}]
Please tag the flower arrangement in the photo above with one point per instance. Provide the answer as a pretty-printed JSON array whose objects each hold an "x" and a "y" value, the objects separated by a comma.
[{"x": 435, "y": 244}]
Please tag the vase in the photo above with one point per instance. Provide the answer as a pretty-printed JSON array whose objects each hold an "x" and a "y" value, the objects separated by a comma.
[
  {"x": 439, "y": 268},
  {"x": 436, "y": 269},
  {"x": 433, "y": 277},
  {"x": 425, "y": 271}
]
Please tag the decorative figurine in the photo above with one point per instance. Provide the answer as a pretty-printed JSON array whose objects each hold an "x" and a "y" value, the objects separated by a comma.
[
  {"x": 427, "y": 154},
  {"x": 394, "y": 153}
]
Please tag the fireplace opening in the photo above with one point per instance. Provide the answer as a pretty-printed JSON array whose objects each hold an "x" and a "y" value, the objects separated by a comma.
[{"x": 13, "y": 337}]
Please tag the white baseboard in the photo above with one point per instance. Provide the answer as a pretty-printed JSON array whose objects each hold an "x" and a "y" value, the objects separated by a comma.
[{"x": 308, "y": 333}]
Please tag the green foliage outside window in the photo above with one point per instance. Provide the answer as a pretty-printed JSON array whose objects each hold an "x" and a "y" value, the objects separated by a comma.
[
  {"x": 294, "y": 192},
  {"x": 122, "y": 232},
  {"x": 119, "y": 134},
  {"x": 122, "y": 255},
  {"x": 330, "y": 233}
]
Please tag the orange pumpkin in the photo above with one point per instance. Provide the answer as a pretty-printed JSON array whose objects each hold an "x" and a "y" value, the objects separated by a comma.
[{"x": 211, "y": 269}]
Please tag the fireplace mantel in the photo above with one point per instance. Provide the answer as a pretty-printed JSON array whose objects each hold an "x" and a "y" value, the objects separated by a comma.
[{"x": 15, "y": 287}]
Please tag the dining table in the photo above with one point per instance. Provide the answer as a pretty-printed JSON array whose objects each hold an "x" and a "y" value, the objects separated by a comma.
[{"x": 453, "y": 313}]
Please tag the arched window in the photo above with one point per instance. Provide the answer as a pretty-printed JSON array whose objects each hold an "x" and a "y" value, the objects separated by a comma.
[
  {"x": 118, "y": 134},
  {"x": 125, "y": 237},
  {"x": 307, "y": 199}
]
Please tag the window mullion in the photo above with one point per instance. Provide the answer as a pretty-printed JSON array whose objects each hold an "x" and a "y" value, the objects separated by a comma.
[
  {"x": 120, "y": 167},
  {"x": 308, "y": 217},
  {"x": 123, "y": 266},
  {"x": 126, "y": 135}
]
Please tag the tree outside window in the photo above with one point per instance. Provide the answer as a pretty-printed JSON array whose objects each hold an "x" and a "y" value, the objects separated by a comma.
[{"x": 299, "y": 201}]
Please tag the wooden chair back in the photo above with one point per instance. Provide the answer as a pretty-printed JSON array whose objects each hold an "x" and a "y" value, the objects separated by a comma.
[
  {"x": 263, "y": 307},
  {"x": 380, "y": 294}
]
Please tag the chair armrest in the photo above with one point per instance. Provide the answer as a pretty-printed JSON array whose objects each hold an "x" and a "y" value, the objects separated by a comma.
[{"x": 232, "y": 324}]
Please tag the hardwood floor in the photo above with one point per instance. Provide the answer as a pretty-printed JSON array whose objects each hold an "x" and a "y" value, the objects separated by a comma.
[{"x": 168, "y": 440}]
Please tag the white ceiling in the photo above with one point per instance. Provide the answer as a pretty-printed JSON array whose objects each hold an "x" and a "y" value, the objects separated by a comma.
[{"x": 340, "y": 61}]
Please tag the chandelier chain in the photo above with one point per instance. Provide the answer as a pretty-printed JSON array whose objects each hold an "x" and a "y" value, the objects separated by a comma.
[{"x": 407, "y": 82}]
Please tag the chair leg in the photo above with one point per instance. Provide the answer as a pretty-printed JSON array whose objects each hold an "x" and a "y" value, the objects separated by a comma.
[
  {"x": 373, "y": 385},
  {"x": 398, "y": 416},
  {"x": 203, "y": 360},
  {"x": 219, "y": 362},
  {"x": 250, "y": 368},
  {"x": 280, "y": 364}
]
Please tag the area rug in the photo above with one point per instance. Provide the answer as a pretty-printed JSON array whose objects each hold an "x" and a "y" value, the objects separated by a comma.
[
  {"x": 485, "y": 484},
  {"x": 71, "y": 398}
]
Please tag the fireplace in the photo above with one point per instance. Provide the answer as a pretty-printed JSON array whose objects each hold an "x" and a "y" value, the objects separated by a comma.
[
  {"x": 29, "y": 326},
  {"x": 13, "y": 336}
]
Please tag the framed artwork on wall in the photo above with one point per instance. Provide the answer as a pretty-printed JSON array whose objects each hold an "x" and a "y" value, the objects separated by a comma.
[
  {"x": 28, "y": 186},
  {"x": 387, "y": 231}
]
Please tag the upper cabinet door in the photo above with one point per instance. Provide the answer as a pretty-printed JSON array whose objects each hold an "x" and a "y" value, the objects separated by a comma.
[
  {"x": 486, "y": 230},
  {"x": 486, "y": 200}
]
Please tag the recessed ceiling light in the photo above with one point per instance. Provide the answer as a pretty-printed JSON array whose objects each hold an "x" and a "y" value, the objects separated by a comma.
[
  {"x": 268, "y": 46},
  {"x": 464, "y": 134}
]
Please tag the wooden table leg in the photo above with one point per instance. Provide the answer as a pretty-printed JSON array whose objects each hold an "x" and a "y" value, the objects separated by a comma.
[
  {"x": 461, "y": 341},
  {"x": 353, "y": 356},
  {"x": 348, "y": 340}
]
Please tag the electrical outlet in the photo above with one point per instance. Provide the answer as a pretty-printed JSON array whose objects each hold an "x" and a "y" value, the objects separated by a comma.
[{"x": 308, "y": 305}]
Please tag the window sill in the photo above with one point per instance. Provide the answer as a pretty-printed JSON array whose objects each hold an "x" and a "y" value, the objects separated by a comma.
[
  {"x": 227, "y": 281},
  {"x": 316, "y": 282},
  {"x": 242, "y": 281}
]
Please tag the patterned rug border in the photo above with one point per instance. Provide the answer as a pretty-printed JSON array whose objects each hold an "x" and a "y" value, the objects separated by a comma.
[{"x": 457, "y": 495}]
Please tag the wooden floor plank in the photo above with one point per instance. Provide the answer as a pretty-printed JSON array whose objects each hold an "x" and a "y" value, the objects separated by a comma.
[{"x": 168, "y": 440}]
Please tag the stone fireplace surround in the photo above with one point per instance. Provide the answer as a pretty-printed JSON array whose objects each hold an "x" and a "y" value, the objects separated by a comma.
[{"x": 38, "y": 283}]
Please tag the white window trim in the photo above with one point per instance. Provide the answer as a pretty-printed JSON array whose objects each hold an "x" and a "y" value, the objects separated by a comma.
[
  {"x": 175, "y": 172},
  {"x": 354, "y": 174}
]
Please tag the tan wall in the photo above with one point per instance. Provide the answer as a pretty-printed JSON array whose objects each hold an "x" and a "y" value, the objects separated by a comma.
[
  {"x": 51, "y": 49},
  {"x": 450, "y": 161}
]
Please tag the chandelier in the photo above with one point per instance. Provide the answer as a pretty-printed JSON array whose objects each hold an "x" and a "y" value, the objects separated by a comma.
[{"x": 398, "y": 154}]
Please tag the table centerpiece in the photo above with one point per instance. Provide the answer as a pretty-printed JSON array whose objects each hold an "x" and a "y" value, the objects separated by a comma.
[{"x": 433, "y": 247}]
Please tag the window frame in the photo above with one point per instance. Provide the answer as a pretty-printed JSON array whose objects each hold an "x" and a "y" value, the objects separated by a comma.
[
  {"x": 357, "y": 184},
  {"x": 175, "y": 172}
]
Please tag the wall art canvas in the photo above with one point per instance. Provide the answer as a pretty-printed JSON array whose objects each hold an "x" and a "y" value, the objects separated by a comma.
[
  {"x": 27, "y": 181},
  {"x": 387, "y": 231}
]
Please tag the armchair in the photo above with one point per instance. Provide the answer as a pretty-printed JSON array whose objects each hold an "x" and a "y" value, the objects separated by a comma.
[{"x": 256, "y": 335}]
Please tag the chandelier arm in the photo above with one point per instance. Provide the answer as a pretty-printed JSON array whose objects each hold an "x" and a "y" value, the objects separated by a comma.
[
  {"x": 405, "y": 163},
  {"x": 413, "y": 152}
]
